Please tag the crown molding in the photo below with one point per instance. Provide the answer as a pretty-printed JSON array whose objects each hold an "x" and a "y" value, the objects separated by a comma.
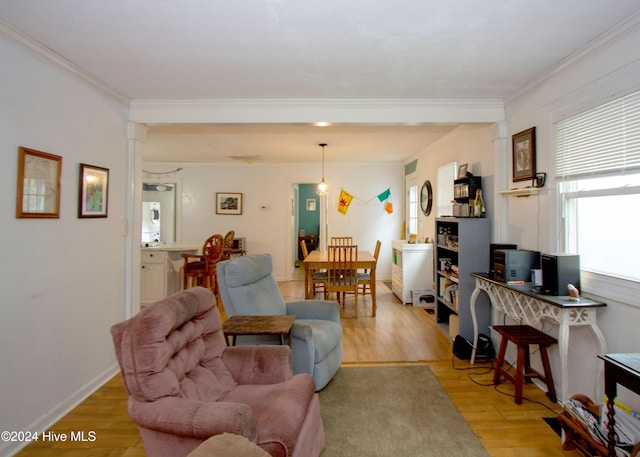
[
  {"x": 384, "y": 111},
  {"x": 596, "y": 46},
  {"x": 42, "y": 52}
]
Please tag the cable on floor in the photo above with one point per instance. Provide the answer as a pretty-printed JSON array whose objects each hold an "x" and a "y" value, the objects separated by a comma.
[{"x": 490, "y": 369}]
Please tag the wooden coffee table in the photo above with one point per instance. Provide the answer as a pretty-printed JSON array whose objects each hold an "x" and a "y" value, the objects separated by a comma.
[{"x": 258, "y": 325}]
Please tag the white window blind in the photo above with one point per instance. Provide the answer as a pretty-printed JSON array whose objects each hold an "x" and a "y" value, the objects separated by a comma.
[
  {"x": 446, "y": 175},
  {"x": 413, "y": 209},
  {"x": 597, "y": 171},
  {"x": 585, "y": 149}
]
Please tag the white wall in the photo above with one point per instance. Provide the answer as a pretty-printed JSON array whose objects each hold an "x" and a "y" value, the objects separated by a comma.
[
  {"x": 62, "y": 281},
  {"x": 468, "y": 144},
  {"x": 270, "y": 186},
  {"x": 605, "y": 70}
]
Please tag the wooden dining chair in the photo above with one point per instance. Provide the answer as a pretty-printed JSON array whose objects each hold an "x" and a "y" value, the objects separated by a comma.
[
  {"x": 303, "y": 248},
  {"x": 200, "y": 269},
  {"x": 317, "y": 278},
  {"x": 364, "y": 278},
  {"x": 227, "y": 245},
  {"x": 341, "y": 241},
  {"x": 342, "y": 276}
]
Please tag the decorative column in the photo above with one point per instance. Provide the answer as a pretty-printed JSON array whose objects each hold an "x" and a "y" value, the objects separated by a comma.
[
  {"x": 501, "y": 162},
  {"x": 136, "y": 136}
]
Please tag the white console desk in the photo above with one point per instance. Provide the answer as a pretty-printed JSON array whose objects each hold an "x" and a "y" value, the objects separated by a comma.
[
  {"x": 161, "y": 270},
  {"x": 521, "y": 304}
]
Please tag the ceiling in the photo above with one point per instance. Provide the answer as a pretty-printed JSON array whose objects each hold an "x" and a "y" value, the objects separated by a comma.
[
  {"x": 319, "y": 50},
  {"x": 290, "y": 143}
]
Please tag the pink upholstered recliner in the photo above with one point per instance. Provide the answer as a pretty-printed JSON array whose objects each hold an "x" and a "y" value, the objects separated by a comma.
[{"x": 185, "y": 385}]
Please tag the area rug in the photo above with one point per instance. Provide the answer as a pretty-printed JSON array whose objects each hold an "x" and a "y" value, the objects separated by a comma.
[{"x": 393, "y": 411}]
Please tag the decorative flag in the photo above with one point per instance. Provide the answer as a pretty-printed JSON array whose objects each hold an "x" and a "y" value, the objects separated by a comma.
[
  {"x": 384, "y": 195},
  {"x": 388, "y": 207},
  {"x": 344, "y": 201}
]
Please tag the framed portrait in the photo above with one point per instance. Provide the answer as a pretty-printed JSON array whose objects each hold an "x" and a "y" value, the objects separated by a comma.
[
  {"x": 462, "y": 170},
  {"x": 228, "y": 203},
  {"x": 38, "y": 186},
  {"x": 93, "y": 192},
  {"x": 524, "y": 155},
  {"x": 311, "y": 204}
]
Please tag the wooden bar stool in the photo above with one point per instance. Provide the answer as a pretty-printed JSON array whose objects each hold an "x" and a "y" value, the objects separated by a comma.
[{"x": 523, "y": 336}]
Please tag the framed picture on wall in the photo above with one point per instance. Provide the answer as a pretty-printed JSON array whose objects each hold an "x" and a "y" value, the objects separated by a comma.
[
  {"x": 524, "y": 155},
  {"x": 93, "y": 191},
  {"x": 311, "y": 204},
  {"x": 228, "y": 203},
  {"x": 38, "y": 186},
  {"x": 462, "y": 170}
]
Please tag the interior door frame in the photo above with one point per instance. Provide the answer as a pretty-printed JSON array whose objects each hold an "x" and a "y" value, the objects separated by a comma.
[
  {"x": 177, "y": 182},
  {"x": 293, "y": 196}
]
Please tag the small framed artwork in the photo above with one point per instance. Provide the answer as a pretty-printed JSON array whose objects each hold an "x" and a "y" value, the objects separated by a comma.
[
  {"x": 524, "y": 155},
  {"x": 228, "y": 203},
  {"x": 38, "y": 187},
  {"x": 311, "y": 204},
  {"x": 93, "y": 192},
  {"x": 462, "y": 170}
]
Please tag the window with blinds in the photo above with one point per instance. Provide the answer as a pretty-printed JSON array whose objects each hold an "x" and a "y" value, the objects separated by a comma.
[
  {"x": 412, "y": 200},
  {"x": 601, "y": 141},
  {"x": 444, "y": 196},
  {"x": 597, "y": 170}
]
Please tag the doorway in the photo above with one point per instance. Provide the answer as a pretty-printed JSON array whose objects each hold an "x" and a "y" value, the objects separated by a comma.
[
  {"x": 161, "y": 211},
  {"x": 306, "y": 224}
]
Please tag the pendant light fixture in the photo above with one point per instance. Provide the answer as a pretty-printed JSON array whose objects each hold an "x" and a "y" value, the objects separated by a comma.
[{"x": 323, "y": 186}]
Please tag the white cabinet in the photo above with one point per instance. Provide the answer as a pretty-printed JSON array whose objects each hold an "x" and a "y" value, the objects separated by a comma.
[
  {"x": 153, "y": 278},
  {"x": 411, "y": 269},
  {"x": 161, "y": 271}
]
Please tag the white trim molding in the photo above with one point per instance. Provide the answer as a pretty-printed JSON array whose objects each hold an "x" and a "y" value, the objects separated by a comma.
[
  {"x": 275, "y": 111},
  {"x": 40, "y": 51},
  {"x": 50, "y": 417},
  {"x": 597, "y": 46}
]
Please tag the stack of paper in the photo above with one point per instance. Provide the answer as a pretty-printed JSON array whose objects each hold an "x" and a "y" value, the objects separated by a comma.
[{"x": 627, "y": 425}]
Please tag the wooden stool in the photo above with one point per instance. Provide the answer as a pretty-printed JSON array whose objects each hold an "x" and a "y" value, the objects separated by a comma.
[{"x": 523, "y": 336}]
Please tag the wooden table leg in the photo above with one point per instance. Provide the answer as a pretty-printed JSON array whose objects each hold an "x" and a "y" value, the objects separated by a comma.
[
  {"x": 373, "y": 291},
  {"x": 307, "y": 281}
]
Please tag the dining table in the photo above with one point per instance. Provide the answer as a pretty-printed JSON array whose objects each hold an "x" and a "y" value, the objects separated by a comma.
[{"x": 319, "y": 260}]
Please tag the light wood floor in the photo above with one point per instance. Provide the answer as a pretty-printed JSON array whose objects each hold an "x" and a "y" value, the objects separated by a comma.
[{"x": 398, "y": 334}]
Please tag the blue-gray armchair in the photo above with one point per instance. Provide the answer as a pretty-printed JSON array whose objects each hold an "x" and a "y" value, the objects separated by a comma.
[{"x": 247, "y": 288}]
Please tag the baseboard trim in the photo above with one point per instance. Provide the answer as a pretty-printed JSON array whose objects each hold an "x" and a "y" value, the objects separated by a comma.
[{"x": 47, "y": 420}]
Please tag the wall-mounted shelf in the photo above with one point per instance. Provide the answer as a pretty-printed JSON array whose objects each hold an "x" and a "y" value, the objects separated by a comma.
[{"x": 522, "y": 192}]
